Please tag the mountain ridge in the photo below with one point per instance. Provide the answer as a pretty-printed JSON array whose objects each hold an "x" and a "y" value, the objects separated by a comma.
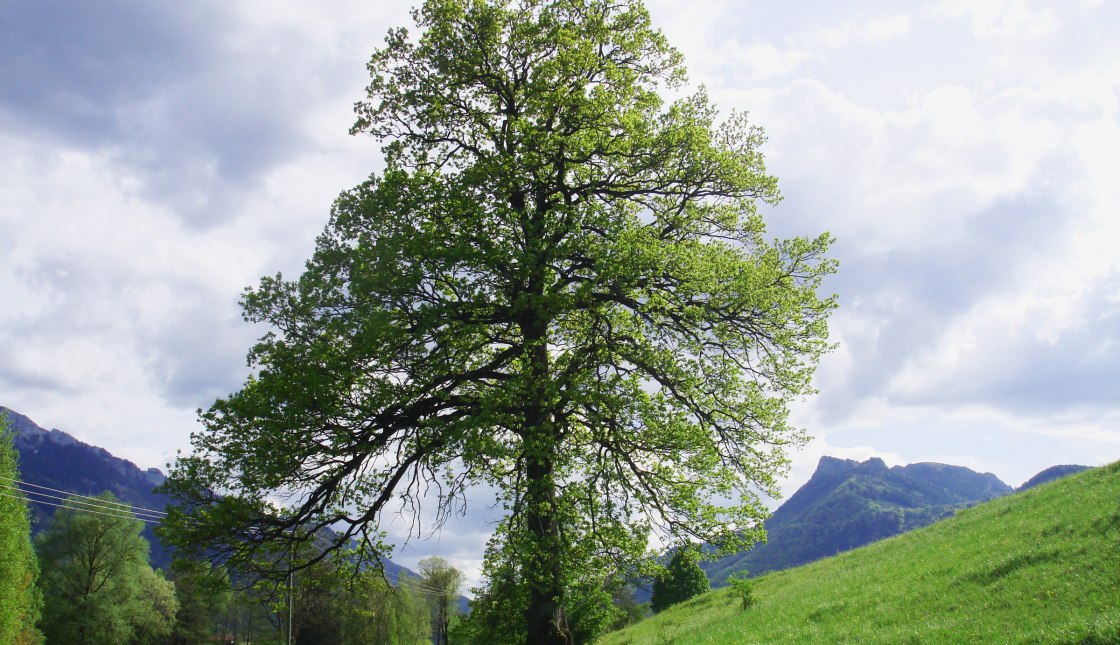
[
  {"x": 56, "y": 460},
  {"x": 847, "y": 504}
]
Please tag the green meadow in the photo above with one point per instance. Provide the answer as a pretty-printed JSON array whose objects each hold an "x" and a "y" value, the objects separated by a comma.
[{"x": 1041, "y": 566}]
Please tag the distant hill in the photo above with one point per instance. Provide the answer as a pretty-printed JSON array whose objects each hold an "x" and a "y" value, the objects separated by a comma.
[
  {"x": 1052, "y": 473},
  {"x": 1038, "y": 566},
  {"x": 847, "y": 504},
  {"x": 58, "y": 461}
]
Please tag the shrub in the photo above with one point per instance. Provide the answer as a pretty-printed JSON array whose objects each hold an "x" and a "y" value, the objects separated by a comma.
[
  {"x": 683, "y": 579},
  {"x": 742, "y": 588}
]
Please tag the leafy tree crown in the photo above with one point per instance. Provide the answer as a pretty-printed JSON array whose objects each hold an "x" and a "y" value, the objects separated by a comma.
[
  {"x": 682, "y": 579},
  {"x": 559, "y": 287}
]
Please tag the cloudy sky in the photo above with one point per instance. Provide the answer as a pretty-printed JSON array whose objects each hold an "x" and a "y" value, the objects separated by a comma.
[{"x": 157, "y": 158}]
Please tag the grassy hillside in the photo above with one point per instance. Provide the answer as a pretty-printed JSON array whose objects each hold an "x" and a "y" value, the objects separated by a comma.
[{"x": 1041, "y": 566}]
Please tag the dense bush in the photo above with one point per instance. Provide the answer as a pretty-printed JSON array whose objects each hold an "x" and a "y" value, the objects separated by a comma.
[{"x": 683, "y": 579}]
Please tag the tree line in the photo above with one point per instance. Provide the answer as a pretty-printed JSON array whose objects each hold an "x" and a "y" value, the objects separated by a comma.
[
  {"x": 86, "y": 580},
  {"x": 96, "y": 586}
]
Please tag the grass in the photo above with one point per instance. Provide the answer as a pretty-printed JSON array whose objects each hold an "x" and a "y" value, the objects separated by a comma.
[{"x": 1042, "y": 566}]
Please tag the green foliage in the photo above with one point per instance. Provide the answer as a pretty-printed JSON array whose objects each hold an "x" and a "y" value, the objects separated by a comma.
[
  {"x": 558, "y": 280},
  {"x": 1037, "y": 567},
  {"x": 497, "y": 612},
  {"x": 591, "y": 611},
  {"x": 743, "y": 589},
  {"x": 320, "y": 604},
  {"x": 20, "y": 600},
  {"x": 203, "y": 593},
  {"x": 595, "y": 602},
  {"x": 96, "y": 580},
  {"x": 249, "y": 615},
  {"x": 682, "y": 580},
  {"x": 334, "y": 603},
  {"x": 154, "y": 609},
  {"x": 440, "y": 584},
  {"x": 499, "y": 605},
  {"x": 386, "y": 614}
]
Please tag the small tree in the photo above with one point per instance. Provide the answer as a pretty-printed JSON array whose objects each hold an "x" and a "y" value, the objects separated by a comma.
[
  {"x": 336, "y": 602},
  {"x": 497, "y": 609},
  {"x": 413, "y": 621},
  {"x": 203, "y": 593},
  {"x": 154, "y": 608},
  {"x": 630, "y": 611},
  {"x": 320, "y": 604},
  {"x": 683, "y": 579},
  {"x": 440, "y": 582},
  {"x": 381, "y": 613},
  {"x": 19, "y": 597},
  {"x": 743, "y": 588},
  {"x": 96, "y": 579}
]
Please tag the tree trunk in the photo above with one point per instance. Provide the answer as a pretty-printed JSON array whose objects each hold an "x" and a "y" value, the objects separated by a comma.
[
  {"x": 547, "y": 624},
  {"x": 545, "y": 619}
]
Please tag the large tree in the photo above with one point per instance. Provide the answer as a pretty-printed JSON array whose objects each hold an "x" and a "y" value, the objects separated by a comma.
[{"x": 560, "y": 287}]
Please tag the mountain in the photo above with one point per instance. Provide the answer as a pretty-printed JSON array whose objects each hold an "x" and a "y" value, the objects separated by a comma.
[
  {"x": 56, "y": 460},
  {"x": 847, "y": 504},
  {"x": 1052, "y": 473}
]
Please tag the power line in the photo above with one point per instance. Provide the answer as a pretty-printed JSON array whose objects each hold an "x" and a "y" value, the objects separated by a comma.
[
  {"x": 123, "y": 510},
  {"x": 64, "y": 492},
  {"x": 102, "y": 504},
  {"x": 79, "y": 510},
  {"x": 99, "y": 503}
]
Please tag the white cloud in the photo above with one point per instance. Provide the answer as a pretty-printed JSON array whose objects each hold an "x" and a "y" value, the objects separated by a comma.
[
  {"x": 1006, "y": 19},
  {"x": 762, "y": 61},
  {"x": 870, "y": 31}
]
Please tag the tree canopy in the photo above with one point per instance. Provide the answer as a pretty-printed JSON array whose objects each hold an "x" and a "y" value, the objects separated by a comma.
[
  {"x": 440, "y": 584},
  {"x": 559, "y": 287},
  {"x": 98, "y": 585},
  {"x": 682, "y": 579},
  {"x": 337, "y": 605}
]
